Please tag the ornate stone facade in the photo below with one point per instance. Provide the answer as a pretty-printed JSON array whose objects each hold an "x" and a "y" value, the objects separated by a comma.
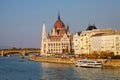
[
  {"x": 83, "y": 41},
  {"x": 58, "y": 41}
]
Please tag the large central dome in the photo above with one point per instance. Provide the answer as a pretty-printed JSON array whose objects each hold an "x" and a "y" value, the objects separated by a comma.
[{"x": 59, "y": 24}]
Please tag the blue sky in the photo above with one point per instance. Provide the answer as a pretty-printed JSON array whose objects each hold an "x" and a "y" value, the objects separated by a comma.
[{"x": 21, "y": 20}]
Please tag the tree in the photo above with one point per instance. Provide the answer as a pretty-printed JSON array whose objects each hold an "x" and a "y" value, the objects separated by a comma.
[
  {"x": 106, "y": 54},
  {"x": 95, "y": 54},
  {"x": 103, "y": 54}
]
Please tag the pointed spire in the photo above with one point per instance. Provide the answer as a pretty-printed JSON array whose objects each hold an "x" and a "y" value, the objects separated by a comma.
[
  {"x": 44, "y": 31},
  {"x": 58, "y": 16},
  {"x": 43, "y": 39},
  {"x": 67, "y": 26}
]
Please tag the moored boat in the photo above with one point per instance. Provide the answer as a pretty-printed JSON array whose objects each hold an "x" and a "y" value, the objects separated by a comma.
[
  {"x": 88, "y": 63},
  {"x": 21, "y": 60}
]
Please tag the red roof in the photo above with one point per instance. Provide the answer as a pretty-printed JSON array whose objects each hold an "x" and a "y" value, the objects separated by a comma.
[
  {"x": 59, "y": 23},
  {"x": 62, "y": 32},
  {"x": 55, "y": 38}
]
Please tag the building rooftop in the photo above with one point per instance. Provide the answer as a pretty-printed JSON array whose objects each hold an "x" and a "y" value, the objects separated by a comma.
[{"x": 91, "y": 27}]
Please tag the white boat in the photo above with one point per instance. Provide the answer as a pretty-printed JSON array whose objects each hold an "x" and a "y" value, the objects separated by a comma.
[
  {"x": 21, "y": 60},
  {"x": 88, "y": 63}
]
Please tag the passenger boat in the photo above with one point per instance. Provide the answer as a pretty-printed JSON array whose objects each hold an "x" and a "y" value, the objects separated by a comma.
[
  {"x": 88, "y": 63},
  {"x": 21, "y": 60}
]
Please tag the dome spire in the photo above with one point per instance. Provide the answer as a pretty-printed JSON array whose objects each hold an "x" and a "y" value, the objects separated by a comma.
[
  {"x": 59, "y": 24},
  {"x": 58, "y": 15}
]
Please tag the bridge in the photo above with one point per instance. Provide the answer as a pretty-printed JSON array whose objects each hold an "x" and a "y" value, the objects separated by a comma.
[{"x": 22, "y": 52}]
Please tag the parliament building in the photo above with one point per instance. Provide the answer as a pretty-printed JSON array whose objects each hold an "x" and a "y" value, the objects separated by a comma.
[{"x": 58, "y": 41}]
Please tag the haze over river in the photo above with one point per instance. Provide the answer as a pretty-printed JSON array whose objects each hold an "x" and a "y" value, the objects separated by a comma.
[{"x": 12, "y": 69}]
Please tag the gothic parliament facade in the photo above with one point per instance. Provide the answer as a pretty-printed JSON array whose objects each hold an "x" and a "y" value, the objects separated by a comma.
[{"x": 59, "y": 41}]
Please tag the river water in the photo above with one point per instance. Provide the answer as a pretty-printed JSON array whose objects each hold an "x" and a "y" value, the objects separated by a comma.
[{"x": 12, "y": 69}]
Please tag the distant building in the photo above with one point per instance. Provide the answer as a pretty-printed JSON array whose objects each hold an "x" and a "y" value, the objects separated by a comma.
[
  {"x": 83, "y": 42},
  {"x": 76, "y": 41},
  {"x": 106, "y": 42},
  {"x": 58, "y": 41}
]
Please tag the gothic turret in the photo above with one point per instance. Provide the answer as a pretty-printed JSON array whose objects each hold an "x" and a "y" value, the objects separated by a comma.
[
  {"x": 44, "y": 38},
  {"x": 43, "y": 31}
]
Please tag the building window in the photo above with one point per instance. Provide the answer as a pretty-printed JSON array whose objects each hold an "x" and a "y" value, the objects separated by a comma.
[
  {"x": 56, "y": 44},
  {"x": 117, "y": 52},
  {"x": 44, "y": 45},
  {"x": 44, "y": 51}
]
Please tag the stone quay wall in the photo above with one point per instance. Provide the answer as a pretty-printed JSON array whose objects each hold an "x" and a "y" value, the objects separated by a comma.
[
  {"x": 53, "y": 60},
  {"x": 112, "y": 63}
]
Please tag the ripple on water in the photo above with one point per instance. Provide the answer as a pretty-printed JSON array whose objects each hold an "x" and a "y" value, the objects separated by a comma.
[{"x": 12, "y": 69}]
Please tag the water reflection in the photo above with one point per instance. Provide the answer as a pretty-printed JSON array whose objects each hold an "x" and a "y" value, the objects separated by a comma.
[
  {"x": 53, "y": 71},
  {"x": 12, "y": 69}
]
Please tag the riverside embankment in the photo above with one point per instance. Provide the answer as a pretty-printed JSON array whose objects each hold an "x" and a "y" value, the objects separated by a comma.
[
  {"x": 111, "y": 63},
  {"x": 53, "y": 60}
]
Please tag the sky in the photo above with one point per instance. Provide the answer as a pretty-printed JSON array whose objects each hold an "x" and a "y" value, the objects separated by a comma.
[{"x": 21, "y": 20}]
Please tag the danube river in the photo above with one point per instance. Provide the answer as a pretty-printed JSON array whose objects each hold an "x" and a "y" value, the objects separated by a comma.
[{"x": 12, "y": 69}]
